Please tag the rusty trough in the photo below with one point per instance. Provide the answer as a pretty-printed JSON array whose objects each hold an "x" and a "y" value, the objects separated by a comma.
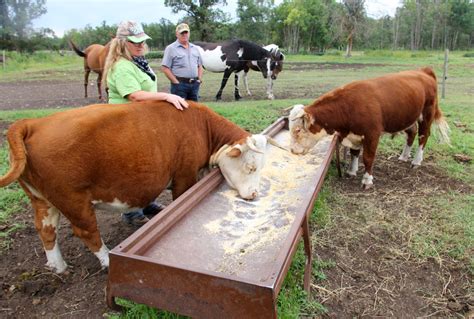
[{"x": 210, "y": 254}]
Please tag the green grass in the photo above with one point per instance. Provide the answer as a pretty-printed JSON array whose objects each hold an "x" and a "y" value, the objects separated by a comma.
[
  {"x": 450, "y": 230},
  {"x": 12, "y": 201}
]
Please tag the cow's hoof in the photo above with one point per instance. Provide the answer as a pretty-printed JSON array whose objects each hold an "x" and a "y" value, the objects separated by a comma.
[
  {"x": 415, "y": 166},
  {"x": 403, "y": 159},
  {"x": 351, "y": 174},
  {"x": 367, "y": 186},
  {"x": 57, "y": 268}
]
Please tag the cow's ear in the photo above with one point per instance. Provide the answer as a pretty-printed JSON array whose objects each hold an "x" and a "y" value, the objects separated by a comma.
[
  {"x": 307, "y": 121},
  {"x": 234, "y": 152},
  {"x": 297, "y": 111}
]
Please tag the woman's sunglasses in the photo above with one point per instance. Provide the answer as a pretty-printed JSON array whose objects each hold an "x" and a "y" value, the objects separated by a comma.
[{"x": 139, "y": 44}]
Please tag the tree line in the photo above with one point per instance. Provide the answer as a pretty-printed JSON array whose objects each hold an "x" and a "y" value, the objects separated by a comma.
[{"x": 299, "y": 26}]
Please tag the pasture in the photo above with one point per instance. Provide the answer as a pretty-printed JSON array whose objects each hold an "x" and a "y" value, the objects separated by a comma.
[{"x": 401, "y": 249}]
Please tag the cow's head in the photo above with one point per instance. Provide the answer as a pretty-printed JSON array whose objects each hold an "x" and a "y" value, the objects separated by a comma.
[
  {"x": 242, "y": 163},
  {"x": 303, "y": 131}
]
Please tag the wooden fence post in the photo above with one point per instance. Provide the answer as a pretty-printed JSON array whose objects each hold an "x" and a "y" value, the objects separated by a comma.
[{"x": 445, "y": 73}]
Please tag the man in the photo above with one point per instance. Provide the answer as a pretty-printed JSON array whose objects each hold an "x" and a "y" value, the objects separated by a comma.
[{"x": 182, "y": 65}]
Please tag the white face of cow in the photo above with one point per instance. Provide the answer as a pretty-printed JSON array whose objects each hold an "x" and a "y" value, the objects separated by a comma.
[
  {"x": 242, "y": 163},
  {"x": 302, "y": 140}
]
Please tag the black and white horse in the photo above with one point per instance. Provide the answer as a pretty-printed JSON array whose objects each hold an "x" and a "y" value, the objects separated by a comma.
[
  {"x": 233, "y": 56},
  {"x": 276, "y": 66}
]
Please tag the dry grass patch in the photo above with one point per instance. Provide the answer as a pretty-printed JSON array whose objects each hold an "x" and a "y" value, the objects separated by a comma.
[{"x": 400, "y": 249}]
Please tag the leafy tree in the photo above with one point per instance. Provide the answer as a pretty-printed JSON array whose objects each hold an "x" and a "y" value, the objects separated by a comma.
[
  {"x": 201, "y": 15},
  {"x": 20, "y": 14},
  {"x": 253, "y": 16},
  {"x": 353, "y": 18},
  {"x": 460, "y": 19},
  {"x": 16, "y": 18}
]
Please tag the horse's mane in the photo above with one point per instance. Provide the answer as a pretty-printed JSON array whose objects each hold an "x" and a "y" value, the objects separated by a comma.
[{"x": 253, "y": 48}]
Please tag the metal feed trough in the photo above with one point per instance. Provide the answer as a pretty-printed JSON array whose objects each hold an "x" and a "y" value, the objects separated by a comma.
[{"x": 211, "y": 254}]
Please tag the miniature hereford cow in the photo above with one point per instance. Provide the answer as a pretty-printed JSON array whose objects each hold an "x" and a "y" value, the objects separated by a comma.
[
  {"x": 362, "y": 110},
  {"x": 121, "y": 157}
]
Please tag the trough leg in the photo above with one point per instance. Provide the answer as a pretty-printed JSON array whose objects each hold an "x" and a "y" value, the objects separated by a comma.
[
  {"x": 338, "y": 157},
  {"x": 309, "y": 256}
]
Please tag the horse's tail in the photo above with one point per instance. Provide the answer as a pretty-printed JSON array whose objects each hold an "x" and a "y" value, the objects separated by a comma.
[
  {"x": 76, "y": 49},
  {"x": 442, "y": 124},
  {"x": 15, "y": 135}
]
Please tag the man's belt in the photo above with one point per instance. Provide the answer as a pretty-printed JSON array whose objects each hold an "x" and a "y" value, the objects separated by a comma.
[{"x": 186, "y": 80}]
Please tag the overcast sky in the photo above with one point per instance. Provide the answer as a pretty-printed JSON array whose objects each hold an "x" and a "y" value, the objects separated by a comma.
[{"x": 64, "y": 15}]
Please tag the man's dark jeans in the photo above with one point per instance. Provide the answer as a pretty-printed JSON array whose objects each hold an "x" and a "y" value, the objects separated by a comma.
[{"x": 188, "y": 91}]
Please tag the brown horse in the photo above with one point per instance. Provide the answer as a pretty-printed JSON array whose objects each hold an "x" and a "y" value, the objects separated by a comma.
[{"x": 94, "y": 60}]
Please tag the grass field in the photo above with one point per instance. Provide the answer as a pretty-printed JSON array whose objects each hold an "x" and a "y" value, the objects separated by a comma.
[{"x": 445, "y": 233}]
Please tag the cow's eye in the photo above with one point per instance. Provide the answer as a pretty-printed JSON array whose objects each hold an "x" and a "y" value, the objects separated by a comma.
[{"x": 250, "y": 168}]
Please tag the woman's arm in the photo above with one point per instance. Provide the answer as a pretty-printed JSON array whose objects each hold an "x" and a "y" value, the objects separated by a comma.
[{"x": 177, "y": 101}]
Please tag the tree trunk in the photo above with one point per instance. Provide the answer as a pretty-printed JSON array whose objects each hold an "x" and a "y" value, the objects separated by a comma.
[
  {"x": 433, "y": 34},
  {"x": 395, "y": 32},
  {"x": 349, "y": 44},
  {"x": 455, "y": 40},
  {"x": 417, "y": 35}
]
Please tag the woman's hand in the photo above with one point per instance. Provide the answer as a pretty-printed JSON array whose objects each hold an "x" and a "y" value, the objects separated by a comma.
[{"x": 177, "y": 101}]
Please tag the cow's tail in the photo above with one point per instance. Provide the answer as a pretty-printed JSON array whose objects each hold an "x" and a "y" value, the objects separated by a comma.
[
  {"x": 442, "y": 124},
  {"x": 15, "y": 136},
  {"x": 76, "y": 49}
]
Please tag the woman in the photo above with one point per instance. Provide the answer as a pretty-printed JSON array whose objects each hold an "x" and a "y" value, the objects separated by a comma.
[{"x": 129, "y": 78}]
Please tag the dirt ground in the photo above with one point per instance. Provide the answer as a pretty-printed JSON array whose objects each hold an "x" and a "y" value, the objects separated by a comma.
[{"x": 374, "y": 274}]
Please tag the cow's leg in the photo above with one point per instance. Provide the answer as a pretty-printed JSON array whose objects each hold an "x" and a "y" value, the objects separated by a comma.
[
  {"x": 226, "y": 76},
  {"x": 236, "y": 87},
  {"x": 181, "y": 183},
  {"x": 99, "y": 85},
  {"x": 87, "y": 71},
  {"x": 270, "y": 88},
  {"x": 246, "y": 82},
  {"x": 354, "y": 162},
  {"x": 82, "y": 216},
  {"x": 46, "y": 224},
  {"x": 368, "y": 154},
  {"x": 411, "y": 133},
  {"x": 423, "y": 134}
]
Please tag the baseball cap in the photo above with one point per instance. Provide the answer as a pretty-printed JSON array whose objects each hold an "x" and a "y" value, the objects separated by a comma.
[
  {"x": 131, "y": 31},
  {"x": 182, "y": 27}
]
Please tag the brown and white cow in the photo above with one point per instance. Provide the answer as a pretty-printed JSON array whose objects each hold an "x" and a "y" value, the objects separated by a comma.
[
  {"x": 121, "y": 157},
  {"x": 362, "y": 111}
]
